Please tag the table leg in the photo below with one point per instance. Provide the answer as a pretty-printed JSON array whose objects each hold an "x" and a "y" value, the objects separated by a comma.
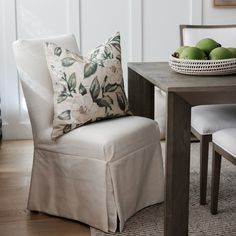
[
  {"x": 140, "y": 95},
  {"x": 177, "y": 166}
]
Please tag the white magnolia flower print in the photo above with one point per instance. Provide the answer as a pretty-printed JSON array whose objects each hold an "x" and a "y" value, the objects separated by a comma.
[{"x": 83, "y": 108}]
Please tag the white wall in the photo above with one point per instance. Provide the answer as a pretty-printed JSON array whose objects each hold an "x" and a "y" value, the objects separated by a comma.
[
  {"x": 27, "y": 19},
  {"x": 149, "y": 31},
  {"x": 161, "y": 21},
  {"x": 213, "y": 15}
]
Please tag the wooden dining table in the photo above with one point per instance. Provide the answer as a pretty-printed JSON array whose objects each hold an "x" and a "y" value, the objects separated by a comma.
[{"x": 183, "y": 92}]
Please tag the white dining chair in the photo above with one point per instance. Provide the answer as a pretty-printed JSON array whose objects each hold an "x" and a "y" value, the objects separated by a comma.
[
  {"x": 223, "y": 146},
  {"x": 206, "y": 119},
  {"x": 99, "y": 174}
]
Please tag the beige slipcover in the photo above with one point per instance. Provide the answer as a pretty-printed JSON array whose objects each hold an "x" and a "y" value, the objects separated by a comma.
[{"x": 96, "y": 173}]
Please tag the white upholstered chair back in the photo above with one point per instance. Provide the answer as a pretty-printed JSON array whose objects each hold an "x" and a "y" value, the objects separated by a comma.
[
  {"x": 223, "y": 34},
  {"x": 189, "y": 35},
  {"x": 36, "y": 82}
]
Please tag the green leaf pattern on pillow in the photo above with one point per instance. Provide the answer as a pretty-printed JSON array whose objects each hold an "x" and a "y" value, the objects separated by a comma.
[{"x": 86, "y": 89}]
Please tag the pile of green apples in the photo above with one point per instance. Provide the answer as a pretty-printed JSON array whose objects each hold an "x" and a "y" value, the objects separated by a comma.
[{"x": 205, "y": 49}]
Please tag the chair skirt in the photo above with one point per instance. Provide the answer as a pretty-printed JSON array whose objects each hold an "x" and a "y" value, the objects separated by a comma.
[{"x": 99, "y": 192}]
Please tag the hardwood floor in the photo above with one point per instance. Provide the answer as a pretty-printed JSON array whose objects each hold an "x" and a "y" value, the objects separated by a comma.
[{"x": 15, "y": 220}]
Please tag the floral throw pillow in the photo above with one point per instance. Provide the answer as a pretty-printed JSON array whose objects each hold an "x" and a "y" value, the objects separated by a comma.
[{"x": 86, "y": 89}]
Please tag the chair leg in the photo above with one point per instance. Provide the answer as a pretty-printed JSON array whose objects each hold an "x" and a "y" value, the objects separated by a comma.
[
  {"x": 215, "y": 181},
  {"x": 204, "y": 148}
]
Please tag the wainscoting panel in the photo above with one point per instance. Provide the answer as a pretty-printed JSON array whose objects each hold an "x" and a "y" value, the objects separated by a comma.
[
  {"x": 149, "y": 32},
  {"x": 28, "y": 19}
]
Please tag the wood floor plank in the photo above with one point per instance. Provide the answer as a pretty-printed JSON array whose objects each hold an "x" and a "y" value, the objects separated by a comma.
[{"x": 15, "y": 220}]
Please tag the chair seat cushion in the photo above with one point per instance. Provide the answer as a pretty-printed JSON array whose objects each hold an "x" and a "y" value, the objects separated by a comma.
[
  {"x": 226, "y": 140},
  {"x": 208, "y": 119},
  {"x": 106, "y": 140}
]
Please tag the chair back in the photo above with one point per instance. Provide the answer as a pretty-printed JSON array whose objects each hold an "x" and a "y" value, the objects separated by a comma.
[
  {"x": 223, "y": 34},
  {"x": 36, "y": 82}
]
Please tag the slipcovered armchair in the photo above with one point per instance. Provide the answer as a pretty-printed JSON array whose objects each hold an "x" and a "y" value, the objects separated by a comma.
[
  {"x": 223, "y": 146},
  {"x": 99, "y": 174}
]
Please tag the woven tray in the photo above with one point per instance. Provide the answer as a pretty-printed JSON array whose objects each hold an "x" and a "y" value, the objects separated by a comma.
[{"x": 203, "y": 67}]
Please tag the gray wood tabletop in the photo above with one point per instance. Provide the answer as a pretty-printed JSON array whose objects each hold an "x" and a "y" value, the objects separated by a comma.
[{"x": 161, "y": 75}]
